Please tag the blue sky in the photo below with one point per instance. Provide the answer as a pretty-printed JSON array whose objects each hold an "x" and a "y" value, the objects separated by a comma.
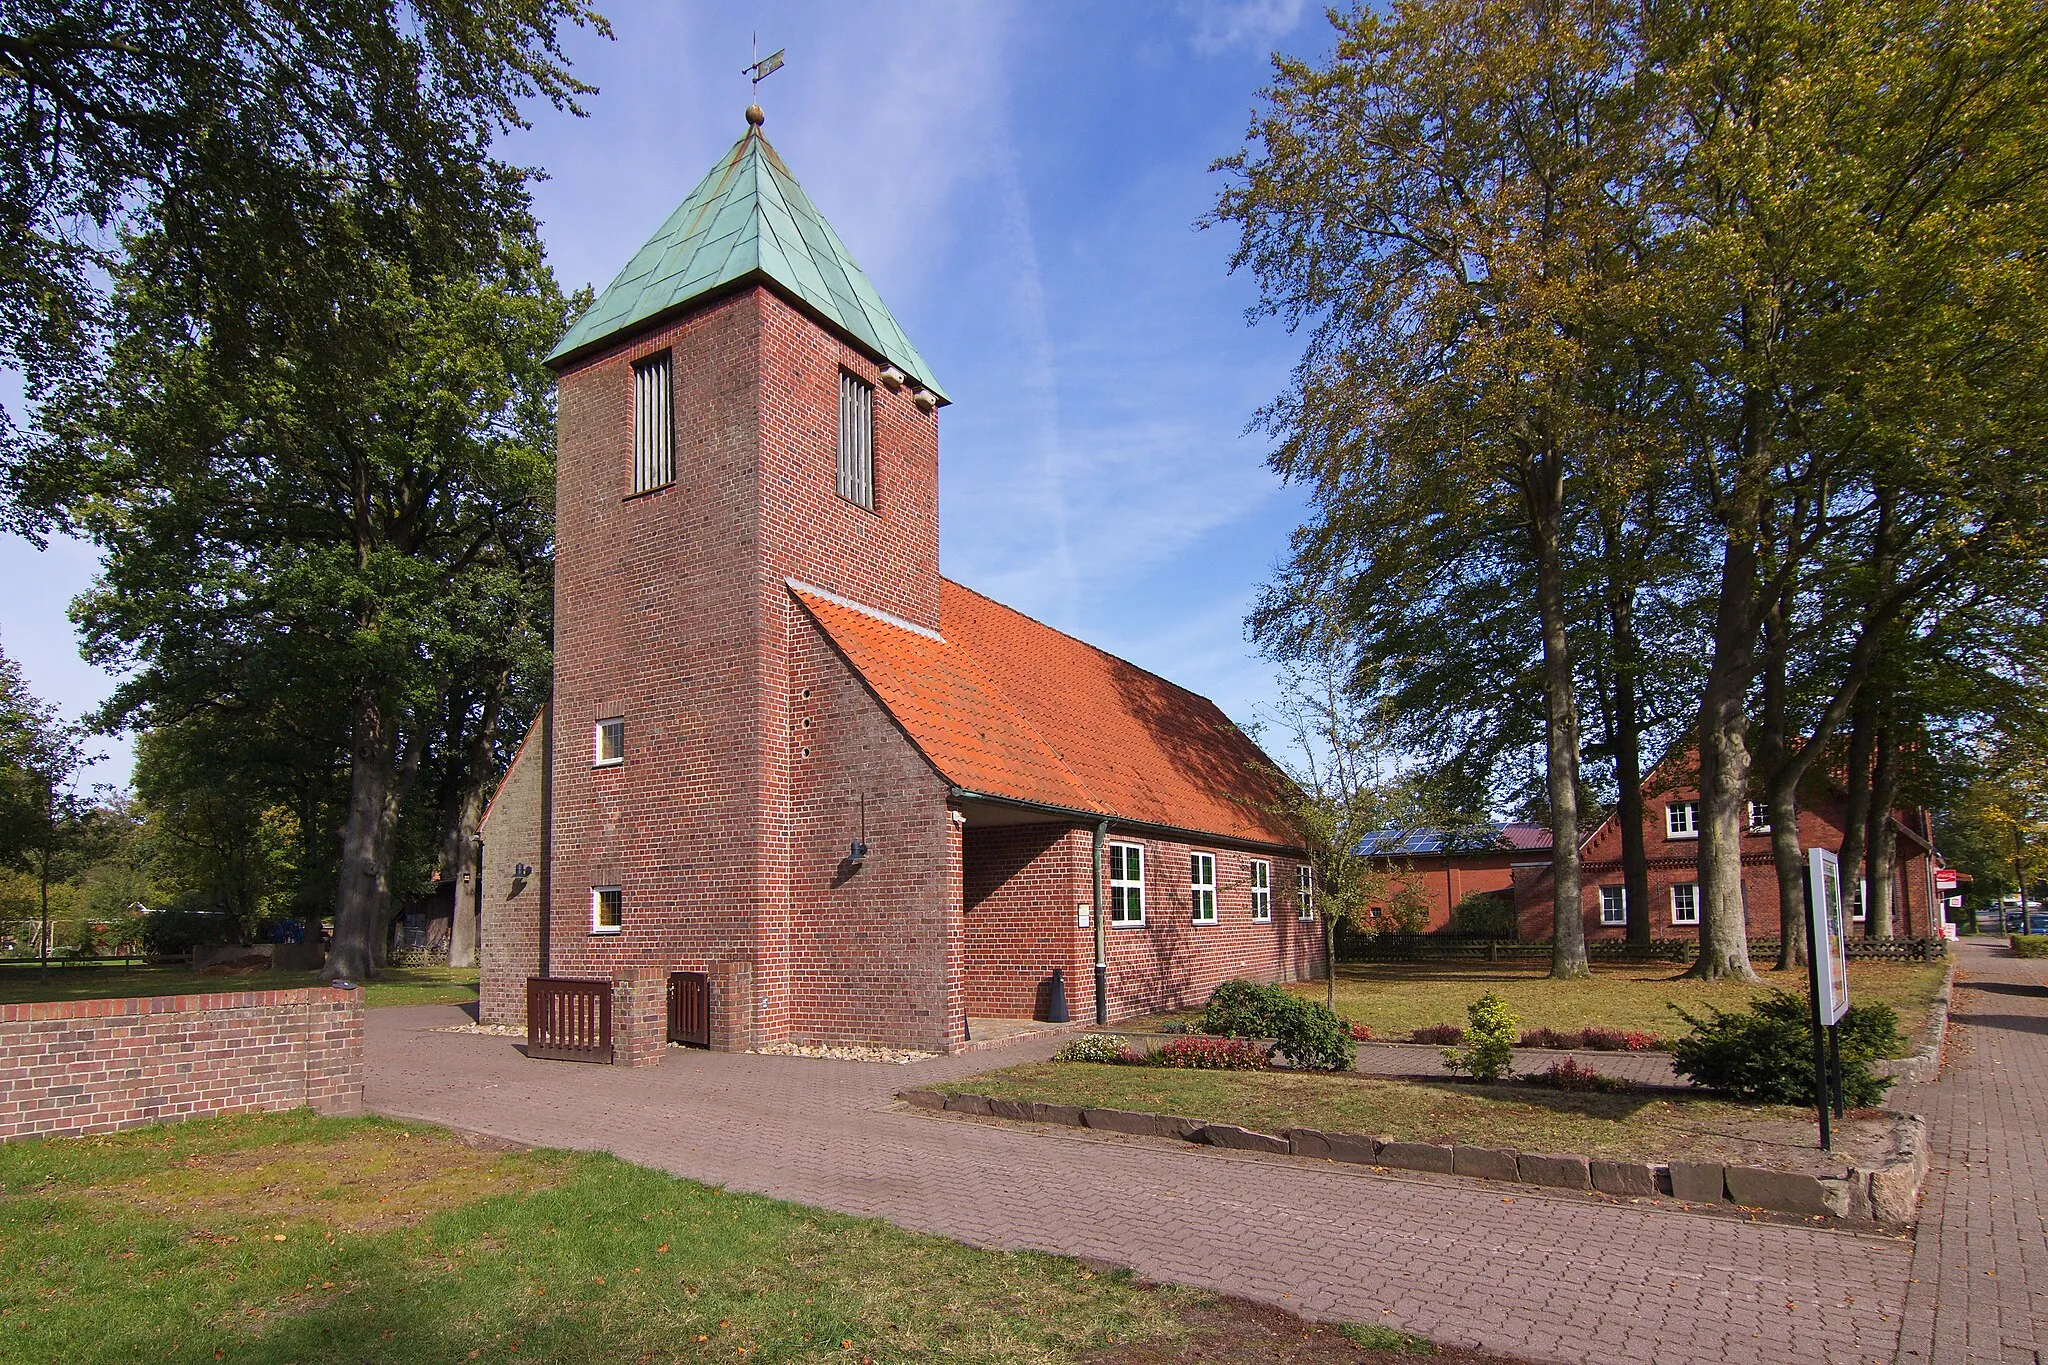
[{"x": 1021, "y": 182}]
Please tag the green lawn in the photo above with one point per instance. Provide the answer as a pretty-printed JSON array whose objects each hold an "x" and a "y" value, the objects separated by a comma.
[
  {"x": 1631, "y": 1125},
  {"x": 293, "y": 1238},
  {"x": 393, "y": 986},
  {"x": 1393, "y": 999}
]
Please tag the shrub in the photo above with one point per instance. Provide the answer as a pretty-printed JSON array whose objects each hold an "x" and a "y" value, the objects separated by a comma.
[
  {"x": 1766, "y": 1055},
  {"x": 1489, "y": 1051},
  {"x": 1409, "y": 911},
  {"x": 1484, "y": 915},
  {"x": 1569, "y": 1075},
  {"x": 1095, "y": 1047},
  {"x": 1551, "y": 1038},
  {"x": 1359, "y": 1032},
  {"x": 1209, "y": 1054},
  {"x": 1306, "y": 1033},
  {"x": 1619, "y": 1040},
  {"x": 169, "y": 932},
  {"x": 2029, "y": 945},
  {"x": 1438, "y": 1035}
]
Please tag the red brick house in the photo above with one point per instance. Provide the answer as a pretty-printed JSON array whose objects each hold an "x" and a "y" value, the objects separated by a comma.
[
  {"x": 1441, "y": 867},
  {"x": 1671, "y": 843},
  {"x": 782, "y": 751}
]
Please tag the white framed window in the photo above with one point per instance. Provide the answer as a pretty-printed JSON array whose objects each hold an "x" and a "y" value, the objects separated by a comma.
[
  {"x": 1682, "y": 819},
  {"x": 608, "y": 743},
  {"x": 1126, "y": 884},
  {"x": 1613, "y": 905},
  {"x": 1860, "y": 904},
  {"x": 1685, "y": 903},
  {"x": 1202, "y": 887},
  {"x": 856, "y": 441},
  {"x": 1759, "y": 818},
  {"x": 607, "y": 910},
  {"x": 1262, "y": 891},
  {"x": 654, "y": 439},
  {"x": 1305, "y": 895}
]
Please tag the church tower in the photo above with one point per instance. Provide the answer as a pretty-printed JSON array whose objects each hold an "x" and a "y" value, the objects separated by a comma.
[{"x": 740, "y": 417}]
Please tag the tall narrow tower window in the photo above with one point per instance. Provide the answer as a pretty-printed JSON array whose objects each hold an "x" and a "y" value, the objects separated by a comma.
[
  {"x": 654, "y": 451},
  {"x": 856, "y": 441}
]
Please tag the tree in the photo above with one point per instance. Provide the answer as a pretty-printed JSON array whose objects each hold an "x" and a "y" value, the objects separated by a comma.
[
  {"x": 346, "y": 497},
  {"x": 1450, "y": 204},
  {"x": 187, "y": 122},
  {"x": 45, "y": 823}
]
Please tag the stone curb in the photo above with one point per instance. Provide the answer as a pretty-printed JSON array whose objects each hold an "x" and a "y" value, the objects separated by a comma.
[
  {"x": 1925, "y": 1063},
  {"x": 1888, "y": 1193}
]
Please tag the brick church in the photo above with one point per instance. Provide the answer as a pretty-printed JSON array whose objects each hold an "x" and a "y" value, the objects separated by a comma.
[{"x": 784, "y": 755}]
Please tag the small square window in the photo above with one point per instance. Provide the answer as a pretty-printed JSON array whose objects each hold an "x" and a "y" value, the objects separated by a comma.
[
  {"x": 1685, "y": 903},
  {"x": 1127, "y": 885},
  {"x": 1613, "y": 905},
  {"x": 607, "y": 910},
  {"x": 1262, "y": 891},
  {"x": 1202, "y": 887},
  {"x": 1305, "y": 896},
  {"x": 1682, "y": 819},
  {"x": 608, "y": 748}
]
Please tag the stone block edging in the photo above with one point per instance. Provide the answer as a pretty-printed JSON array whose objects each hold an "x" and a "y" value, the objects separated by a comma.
[
  {"x": 1925, "y": 1063},
  {"x": 1886, "y": 1193}
]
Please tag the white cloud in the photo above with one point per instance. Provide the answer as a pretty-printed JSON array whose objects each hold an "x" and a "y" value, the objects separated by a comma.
[{"x": 1220, "y": 26}]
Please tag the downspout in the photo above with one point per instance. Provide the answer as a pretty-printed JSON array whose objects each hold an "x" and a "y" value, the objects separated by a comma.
[
  {"x": 1101, "y": 927},
  {"x": 1937, "y": 914}
]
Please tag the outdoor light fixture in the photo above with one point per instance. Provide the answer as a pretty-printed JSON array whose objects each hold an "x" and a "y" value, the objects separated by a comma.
[
  {"x": 521, "y": 871},
  {"x": 893, "y": 377}
]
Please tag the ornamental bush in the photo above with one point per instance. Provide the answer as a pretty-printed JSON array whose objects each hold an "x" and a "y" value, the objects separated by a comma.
[
  {"x": 1209, "y": 1054},
  {"x": 1551, "y": 1038},
  {"x": 2029, "y": 945},
  {"x": 1619, "y": 1040},
  {"x": 1766, "y": 1054},
  {"x": 1303, "y": 1031},
  {"x": 1490, "y": 1033},
  {"x": 1095, "y": 1047},
  {"x": 1438, "y": 1035},
  {"x": 1569, "y": 1075}
]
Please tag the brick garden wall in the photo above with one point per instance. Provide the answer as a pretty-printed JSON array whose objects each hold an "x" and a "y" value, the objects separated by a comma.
[
  {"x": 509, "y": 947},
  {"x": 97, "y": 1066}
]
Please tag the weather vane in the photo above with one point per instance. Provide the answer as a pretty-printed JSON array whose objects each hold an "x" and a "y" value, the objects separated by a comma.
[{"x": 760, "y": 70}]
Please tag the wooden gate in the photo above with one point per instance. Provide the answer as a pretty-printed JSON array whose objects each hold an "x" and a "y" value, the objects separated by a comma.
[
  {"x": 568, "y": 1021},
  {"x": 689, "y": 1008}
]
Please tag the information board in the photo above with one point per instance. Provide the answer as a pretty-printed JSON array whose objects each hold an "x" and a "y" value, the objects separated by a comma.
[{"x": 1831, "y": 954}]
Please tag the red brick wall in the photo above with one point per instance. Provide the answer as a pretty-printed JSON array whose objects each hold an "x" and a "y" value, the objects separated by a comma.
[
  {"x": 1173, "y": 963},
  {"x": 1023, "y": 884},
  {"x": 509, "y": 946},
  {"x": 1442, "y": 883},
  {"x": 671, "y": 611},
  {"x": 873, "y": 950},
  {"x": 97, "y": 1066}
]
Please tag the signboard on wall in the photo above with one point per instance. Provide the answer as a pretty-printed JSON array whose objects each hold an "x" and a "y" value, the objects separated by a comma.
[{"x": 1831, "y": 954}]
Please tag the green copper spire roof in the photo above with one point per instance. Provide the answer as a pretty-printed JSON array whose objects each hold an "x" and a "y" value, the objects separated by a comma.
[{"x": 748, "y": 218}]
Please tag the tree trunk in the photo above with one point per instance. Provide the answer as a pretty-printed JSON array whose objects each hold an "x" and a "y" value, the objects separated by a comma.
[
  {"x": 1724, "y": 769},
  {"x": 1545, "y": 490},
  {"x": 1781, "y": 793},
  {"x": 1856, "y": 782},
  {"x": 1881, "y": 846},
  {"x": 1628, "y": 772},
  {"x": 362, "y": 909},
  {"x": 461, "y": 848}
]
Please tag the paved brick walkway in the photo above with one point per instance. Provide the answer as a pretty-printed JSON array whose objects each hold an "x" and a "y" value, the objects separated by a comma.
[
  {"x": 1979, "y": 1288},
  {"x": 1527, "y": 1274}
]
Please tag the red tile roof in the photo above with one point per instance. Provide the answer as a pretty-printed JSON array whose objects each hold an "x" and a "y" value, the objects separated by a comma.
[{"x": 1008, "y": 706}]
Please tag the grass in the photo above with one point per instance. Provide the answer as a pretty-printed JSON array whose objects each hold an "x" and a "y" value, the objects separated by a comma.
[
  {"x": 393, "y": 986},
  {"x": 1393, "y": 999},
  {"x": 1634, "y": 1125},
  {"x": 292, "y": 1238},
  {"x": 2030, "y": 945}
]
